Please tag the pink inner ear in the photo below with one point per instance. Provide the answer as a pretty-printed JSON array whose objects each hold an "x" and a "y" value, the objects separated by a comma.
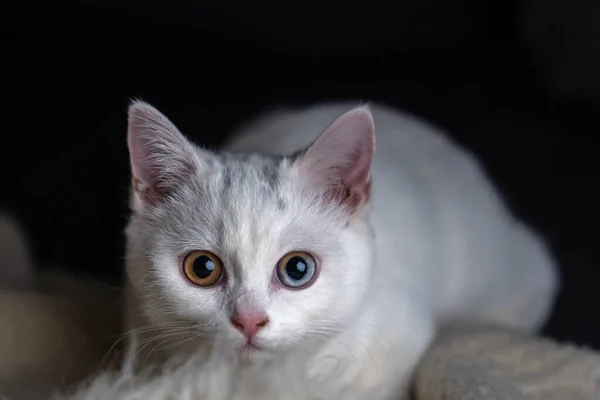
[
  {"x": 342, "y": 156},
  {"x": 139, "y": 164},
  {"x": 161, "y": 157}
]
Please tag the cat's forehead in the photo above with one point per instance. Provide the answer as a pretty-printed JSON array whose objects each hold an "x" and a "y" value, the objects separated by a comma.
[
  {"x": 247, "y": 180},
  {"x": 235, "y": 193},
  {"x": 244, "y": 201},
  {"x": 243, "y": 169},
  {"x": 245, "y": 209}
]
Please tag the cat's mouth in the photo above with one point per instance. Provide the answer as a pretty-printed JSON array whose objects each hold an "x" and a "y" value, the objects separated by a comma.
[
  {"x": 249, "y": 352},
  {"x": 251, "y": 347}
]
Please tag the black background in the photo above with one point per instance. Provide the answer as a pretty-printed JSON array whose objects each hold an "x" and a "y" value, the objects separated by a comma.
[{"x": 70, "y": 70}]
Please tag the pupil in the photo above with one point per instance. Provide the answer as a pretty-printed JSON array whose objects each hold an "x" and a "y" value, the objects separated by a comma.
[
  {"x": 203, "y": 267},
  {"x": 296, "y": 268}
]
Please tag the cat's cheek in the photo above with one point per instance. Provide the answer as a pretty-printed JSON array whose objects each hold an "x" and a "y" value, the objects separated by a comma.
[
  {"x": 286, "y": 330},
  {"x": 275, "y": 341},
  {"x": 183, "y": 300}
]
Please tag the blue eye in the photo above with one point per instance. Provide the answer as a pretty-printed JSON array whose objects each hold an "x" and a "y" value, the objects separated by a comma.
[{"x": 296, "y": 269}]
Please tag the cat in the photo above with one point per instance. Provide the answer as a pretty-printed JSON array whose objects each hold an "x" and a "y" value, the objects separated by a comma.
[{"x": 297, "y": 244}]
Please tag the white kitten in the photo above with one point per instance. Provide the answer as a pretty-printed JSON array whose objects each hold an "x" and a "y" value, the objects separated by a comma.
[{"x": 294, "y": 257}]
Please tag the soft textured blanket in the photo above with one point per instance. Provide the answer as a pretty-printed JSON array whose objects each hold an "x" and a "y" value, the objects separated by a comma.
[
  {"x": 48, "y": 340},
  {"x": 492, "y": 364}
]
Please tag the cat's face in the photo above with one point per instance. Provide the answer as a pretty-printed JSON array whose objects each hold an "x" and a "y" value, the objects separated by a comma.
[{"x": 259, "y": 253}]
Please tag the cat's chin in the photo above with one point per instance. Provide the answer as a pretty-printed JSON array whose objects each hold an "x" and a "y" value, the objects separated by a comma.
[
  {"x": 251, "y": 347},
  {"x": 250, "y": 352}
]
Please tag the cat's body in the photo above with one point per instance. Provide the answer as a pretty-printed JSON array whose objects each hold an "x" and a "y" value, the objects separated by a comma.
[{"x": 429, "y": 242}]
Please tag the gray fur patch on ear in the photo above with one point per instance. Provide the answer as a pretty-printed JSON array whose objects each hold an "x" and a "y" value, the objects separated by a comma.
[{"x": 16, "y": 270}]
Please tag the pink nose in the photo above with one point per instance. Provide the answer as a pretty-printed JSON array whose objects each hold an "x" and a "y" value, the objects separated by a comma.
[{"x": 250, "y": 323}]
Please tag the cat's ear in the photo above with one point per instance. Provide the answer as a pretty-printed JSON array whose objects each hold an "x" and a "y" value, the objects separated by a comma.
[
  {"x": 340, "y": 159},
  {"x": 161, "y": 157}
]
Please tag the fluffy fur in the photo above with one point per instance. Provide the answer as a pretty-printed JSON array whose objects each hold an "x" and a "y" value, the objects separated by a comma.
[
  {"x": 198, "y": 378},
  {"x": 429, "y": 240}
]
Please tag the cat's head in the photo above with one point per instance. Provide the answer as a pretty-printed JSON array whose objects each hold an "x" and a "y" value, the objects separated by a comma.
[{"x": 275, "y": 251}]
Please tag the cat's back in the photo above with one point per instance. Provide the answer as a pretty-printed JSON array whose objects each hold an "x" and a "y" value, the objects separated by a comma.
[
  {"x": 440, "y": 224},
  {"x": 403, "y": 141},
  {"x": 286, "y": 130}
]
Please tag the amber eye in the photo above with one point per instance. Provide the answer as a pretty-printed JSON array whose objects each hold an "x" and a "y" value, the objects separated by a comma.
[
  {"x": 296, "y": 269},
  {"x": 202, "y": 268}
]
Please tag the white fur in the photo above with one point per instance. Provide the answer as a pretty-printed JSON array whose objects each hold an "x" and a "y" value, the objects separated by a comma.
[
  {"x": 198, "y": 378},
  {"x": 444, "y": 244}
]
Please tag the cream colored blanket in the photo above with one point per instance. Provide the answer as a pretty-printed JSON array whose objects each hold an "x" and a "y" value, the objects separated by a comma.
[
  {"x": 51, "y": 341},
  {"x": 492, "y": 364}
]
